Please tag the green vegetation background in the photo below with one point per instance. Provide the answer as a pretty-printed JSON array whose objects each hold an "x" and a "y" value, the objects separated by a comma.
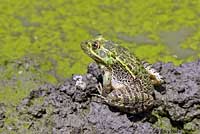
[{"x": 40, "y": 39}]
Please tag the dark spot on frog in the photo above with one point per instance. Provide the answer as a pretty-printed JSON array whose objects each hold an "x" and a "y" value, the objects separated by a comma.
[{"x": 109, "y": 45}]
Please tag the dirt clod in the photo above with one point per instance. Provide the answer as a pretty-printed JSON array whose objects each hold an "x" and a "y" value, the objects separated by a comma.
[{"x": 69, "y": 107}]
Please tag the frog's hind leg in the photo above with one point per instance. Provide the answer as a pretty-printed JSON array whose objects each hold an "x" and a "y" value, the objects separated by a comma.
[
  {"x": 155, "y": 77},
  {"x": 129, "y": 101}
]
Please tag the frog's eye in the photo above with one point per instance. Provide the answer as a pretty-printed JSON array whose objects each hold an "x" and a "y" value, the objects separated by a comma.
[{"x": 95, "y": 45}]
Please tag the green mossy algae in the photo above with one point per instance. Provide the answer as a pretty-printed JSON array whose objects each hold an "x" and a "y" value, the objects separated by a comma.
[
  {"x": 54, "y": 30},
  {"x": 49, "y": 34},
  {"x": 192, "y": 127}
]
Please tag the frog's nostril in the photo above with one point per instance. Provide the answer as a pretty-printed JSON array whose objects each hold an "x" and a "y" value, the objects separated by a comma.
[{"x": 84, "y": 44}]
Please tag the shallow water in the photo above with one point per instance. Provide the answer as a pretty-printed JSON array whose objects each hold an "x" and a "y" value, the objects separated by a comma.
[{"x": 173, "y": 40}]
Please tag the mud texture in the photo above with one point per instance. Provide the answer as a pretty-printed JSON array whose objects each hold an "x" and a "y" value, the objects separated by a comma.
[{"x": 70, "y": 107}]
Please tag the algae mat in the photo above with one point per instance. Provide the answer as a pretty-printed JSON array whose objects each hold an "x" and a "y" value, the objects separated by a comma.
[{"x": 40, "y": 39}]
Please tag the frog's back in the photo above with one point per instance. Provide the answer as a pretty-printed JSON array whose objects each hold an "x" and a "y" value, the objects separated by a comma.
[{"x": 132, "y": 66}]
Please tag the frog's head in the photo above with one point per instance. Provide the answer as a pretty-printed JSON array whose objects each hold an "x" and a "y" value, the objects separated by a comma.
[{"x": 100, "y": 50}]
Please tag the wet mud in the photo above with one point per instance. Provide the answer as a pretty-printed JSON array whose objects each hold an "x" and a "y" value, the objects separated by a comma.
[{"x": 71, "y": 108}]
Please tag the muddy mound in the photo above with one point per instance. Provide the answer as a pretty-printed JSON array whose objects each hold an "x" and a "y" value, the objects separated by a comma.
[{"x": 71, "y": 108}]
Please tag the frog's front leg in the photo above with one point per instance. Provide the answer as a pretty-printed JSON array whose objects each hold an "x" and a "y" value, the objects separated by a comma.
[
  {"x": 110, "y": 83},
  {"x": 105, "y": 88}
]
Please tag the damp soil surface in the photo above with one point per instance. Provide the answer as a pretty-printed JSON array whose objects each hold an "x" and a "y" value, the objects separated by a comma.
[{"x": 71, "y": 108}]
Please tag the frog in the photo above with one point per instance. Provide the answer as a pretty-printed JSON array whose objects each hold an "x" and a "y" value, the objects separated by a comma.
[{"x": 128, "y": 82}]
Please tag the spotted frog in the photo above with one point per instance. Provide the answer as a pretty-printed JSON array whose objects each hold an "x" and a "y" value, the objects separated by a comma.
[{"x": 128, "y": 83}]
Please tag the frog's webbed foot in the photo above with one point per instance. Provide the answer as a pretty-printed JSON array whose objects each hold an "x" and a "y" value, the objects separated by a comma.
[
  {"x": 98, "y": 96},
  {"x": 99, "y": 88},
  {"x": 155, "y": 77}
]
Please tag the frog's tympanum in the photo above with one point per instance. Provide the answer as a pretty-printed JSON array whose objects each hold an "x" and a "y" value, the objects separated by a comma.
[{"x": 128, "y": 83}]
